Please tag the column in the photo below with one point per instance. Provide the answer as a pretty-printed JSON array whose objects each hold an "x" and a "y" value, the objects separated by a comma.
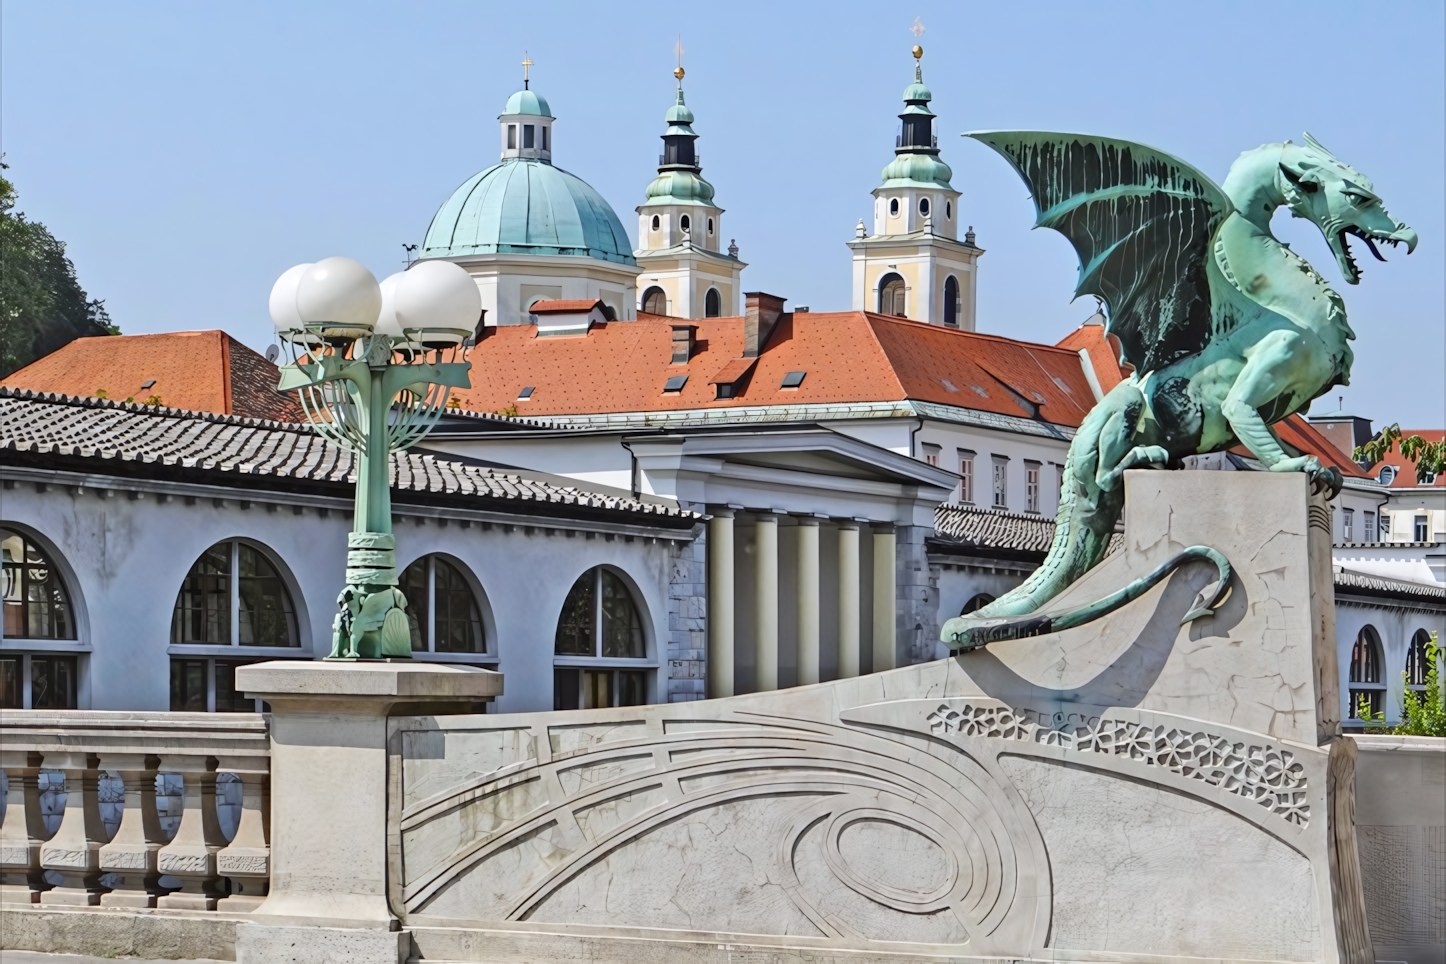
[
  {"x": 246, "y": 860},
  {"x": 191, "y": 854},
  {"x": 765, "y": 613},
  {"x": 885, "y": 598},
  {"x": 22, "y": 832},
  {"x": 132, "y": 851},
  {"x": 74, "y": 851},
  {"x": 720, "y": 604},
  {"x": 808, "y": 632},
  {"x": 848, "y": 599}
]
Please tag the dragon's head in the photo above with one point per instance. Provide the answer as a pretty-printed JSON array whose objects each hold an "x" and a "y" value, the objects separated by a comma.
[{"x": 1324, "y": 189}]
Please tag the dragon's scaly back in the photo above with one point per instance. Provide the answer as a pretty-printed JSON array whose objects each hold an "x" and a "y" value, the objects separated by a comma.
[{"x": 1141, "y": 222}]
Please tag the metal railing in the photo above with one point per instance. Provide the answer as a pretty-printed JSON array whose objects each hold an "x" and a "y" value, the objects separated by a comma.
[{"x": 146, "y": 854}]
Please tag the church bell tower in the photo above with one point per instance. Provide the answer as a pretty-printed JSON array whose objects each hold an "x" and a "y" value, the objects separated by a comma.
[
  {"x": 685, "y": 272},
  {"x": 913, "y": 264}
]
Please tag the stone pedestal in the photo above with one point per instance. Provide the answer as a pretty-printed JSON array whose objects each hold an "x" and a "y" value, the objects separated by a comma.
[
  {"x": 131, "y": 853},
  {"x": 329, "y": 793}
]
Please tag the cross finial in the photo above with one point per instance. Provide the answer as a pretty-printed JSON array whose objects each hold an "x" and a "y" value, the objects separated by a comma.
[
  {"x": 679, "y": 72},
  {"x": 526, "y": 67},
  {"x": 917, "y": 29}
]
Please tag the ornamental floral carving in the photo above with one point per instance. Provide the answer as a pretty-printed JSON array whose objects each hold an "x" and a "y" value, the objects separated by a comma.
[{"x": 1265, "y": 774}]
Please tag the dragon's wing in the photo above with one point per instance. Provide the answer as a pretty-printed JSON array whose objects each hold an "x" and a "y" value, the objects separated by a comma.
[{"x": 1141, "y": 222}]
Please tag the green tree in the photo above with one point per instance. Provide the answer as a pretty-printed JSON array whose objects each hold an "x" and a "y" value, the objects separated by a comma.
[
  {"x": 1428, "y": 457},
  {"x": 42, "y": 305},
  {"x": 1423, "y": 713}
]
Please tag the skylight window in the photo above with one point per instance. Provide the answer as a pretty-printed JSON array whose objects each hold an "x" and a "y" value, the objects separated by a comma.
[
  {"x": 525, "y": 394},
  {"x": 793, "y": 379},
  {"x": 675, "y": 384}
]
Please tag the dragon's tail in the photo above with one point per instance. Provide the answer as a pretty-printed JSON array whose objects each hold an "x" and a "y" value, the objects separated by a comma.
[
  {"x": 1083, "y": 526},
  {"x": 969, "y": 632}
]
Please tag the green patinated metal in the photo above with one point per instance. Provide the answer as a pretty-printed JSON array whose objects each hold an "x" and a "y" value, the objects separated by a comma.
[
  {"x": 527, "y": 206},
  {"x": 1228, "y": 329},
  {"x": 373, "y": 405}
]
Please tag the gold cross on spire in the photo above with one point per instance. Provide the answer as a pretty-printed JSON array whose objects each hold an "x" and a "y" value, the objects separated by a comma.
[
  {"x": 679, "y": 72},
  {"x": 526, "y": 66}
]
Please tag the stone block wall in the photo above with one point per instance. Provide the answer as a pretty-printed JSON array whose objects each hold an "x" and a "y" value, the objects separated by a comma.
[{"x": 687, "y": 643}]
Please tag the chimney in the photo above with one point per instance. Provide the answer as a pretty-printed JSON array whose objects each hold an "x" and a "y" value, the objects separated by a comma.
[
  {"x": 684, "y": 338},
  {"x": 761, "y": 314}
]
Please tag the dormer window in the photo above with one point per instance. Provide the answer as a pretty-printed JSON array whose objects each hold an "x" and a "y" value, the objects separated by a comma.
[
  {"x": 923, "y": 207},
  {"x": 685, "y": 223},
  {"x": 1388, "y": 474},
  {"x": 529, "y": 134},
  {"x": 512, "y": 137},
  {"x": 893, "y": 207}
]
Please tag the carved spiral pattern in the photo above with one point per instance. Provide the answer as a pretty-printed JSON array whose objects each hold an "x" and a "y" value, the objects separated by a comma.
[{"x": 1265, "y": 774}]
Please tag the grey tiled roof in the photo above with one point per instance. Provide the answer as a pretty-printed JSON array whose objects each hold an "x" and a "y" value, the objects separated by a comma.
[
  {"x": 120, "y": 432},
  {"x": 1361, "y": 583},
  {"x": 969, "y": 527}
]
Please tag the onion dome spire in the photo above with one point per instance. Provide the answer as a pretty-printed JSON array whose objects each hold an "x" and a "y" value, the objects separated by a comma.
[{"x": 916, "y": 149}]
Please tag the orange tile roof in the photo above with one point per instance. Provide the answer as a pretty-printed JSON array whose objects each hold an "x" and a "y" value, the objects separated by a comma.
[
  {"x": 848, "y": 356},
  {"x": 1104, "y": 352},
  {"x": 1298, "y": 433},
  {"x": 200, "y": 371},
  {"x": 1405, "y": 468},
  {"x": 565, "y": 305}
]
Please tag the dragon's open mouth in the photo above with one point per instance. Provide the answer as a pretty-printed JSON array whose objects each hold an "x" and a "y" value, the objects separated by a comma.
[{"x": 1349, "y": 267}]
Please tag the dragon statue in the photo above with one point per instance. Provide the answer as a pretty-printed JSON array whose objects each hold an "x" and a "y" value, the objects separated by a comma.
[{"x": 1229, "y": 331}]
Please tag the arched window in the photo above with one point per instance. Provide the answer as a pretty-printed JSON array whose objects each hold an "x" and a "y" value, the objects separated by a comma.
[
  {"x": 710, "y": 227},
  {"x": 712, "y": 303},
  {"x": 600, "y": 641},
  {"x": 892, "y": 295},
  {"x": 893, "y": 207},
  {"x": 976, "y": 602},
  {"x": 655, "y": 301},
  {"x": 656, "y": 223},
  {"x": 37, "y": 606},
  {"x": 948, "y": 210},
  {"x": 951, "y": 302},
  {"x": 441, "y": 608},
  {"x": 686, "y": 223},
  {"x": 36, "y": 603},
  {"x": 1366, "y": 691},
  {"x": 234, "y": 595},
  {"x": 923, "y": 207},
  {"x": 1418, "y": 663}
]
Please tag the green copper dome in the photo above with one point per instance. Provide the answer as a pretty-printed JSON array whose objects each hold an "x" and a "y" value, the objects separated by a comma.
[
  {"x": 916, "y": 170},
  {"x": 680, "y": 173},
  {"x": 527, "y": 206},
  {"x": 527, "y": 102},
  {"x": 917, "y": 92}
]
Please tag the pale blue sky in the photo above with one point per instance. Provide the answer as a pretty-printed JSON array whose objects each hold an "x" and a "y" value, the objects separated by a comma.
[{"x": 190, "y": 152}]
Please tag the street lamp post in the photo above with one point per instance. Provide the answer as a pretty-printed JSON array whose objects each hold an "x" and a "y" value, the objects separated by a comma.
[{"x": 373, "y": 366}]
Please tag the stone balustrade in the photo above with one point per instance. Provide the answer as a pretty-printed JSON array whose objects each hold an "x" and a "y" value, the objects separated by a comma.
[{"x": 82, "y": 863}]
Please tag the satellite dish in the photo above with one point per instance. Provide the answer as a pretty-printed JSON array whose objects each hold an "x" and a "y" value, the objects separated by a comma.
[{"x": 273, "y": 352}]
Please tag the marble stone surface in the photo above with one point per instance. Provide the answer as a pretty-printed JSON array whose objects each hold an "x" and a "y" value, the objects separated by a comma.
[{"x": 1132, "y": 789}]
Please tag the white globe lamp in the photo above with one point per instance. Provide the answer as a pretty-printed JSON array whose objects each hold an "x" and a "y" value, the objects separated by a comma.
[
  {"x": 340, "y": 297},
  {"x": 283, "y": 304},
  {"x": 439, "y": 300}
]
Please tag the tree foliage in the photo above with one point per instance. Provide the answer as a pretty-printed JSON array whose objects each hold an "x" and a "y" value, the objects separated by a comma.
[
  {"x": 1428, "y": 457},
  {"x": 42, "y": 306}
]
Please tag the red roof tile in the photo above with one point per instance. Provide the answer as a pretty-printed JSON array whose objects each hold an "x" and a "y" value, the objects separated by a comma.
[
  {"x": 200, "y": 371},
  {"x": 1406, "y": 469},
  {"x": 848, "y": 357},
  {"x": 1104, "y": 352},
  {"x": 558, "y": 307}
]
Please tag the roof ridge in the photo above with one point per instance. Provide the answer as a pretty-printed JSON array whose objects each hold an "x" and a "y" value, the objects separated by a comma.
[
  {"x": 92, "y": 401},
  {"x": 896, "y": 319}
]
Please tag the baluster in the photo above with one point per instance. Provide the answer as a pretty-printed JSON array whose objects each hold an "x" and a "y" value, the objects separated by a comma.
[
  {"x": 246, "y": 861},
  {"x": 132, "y": 851},
  {"x": 74, "y": 851},
  {"x": 22, "y": 832},
  {"x": 191, "y": 854}
]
